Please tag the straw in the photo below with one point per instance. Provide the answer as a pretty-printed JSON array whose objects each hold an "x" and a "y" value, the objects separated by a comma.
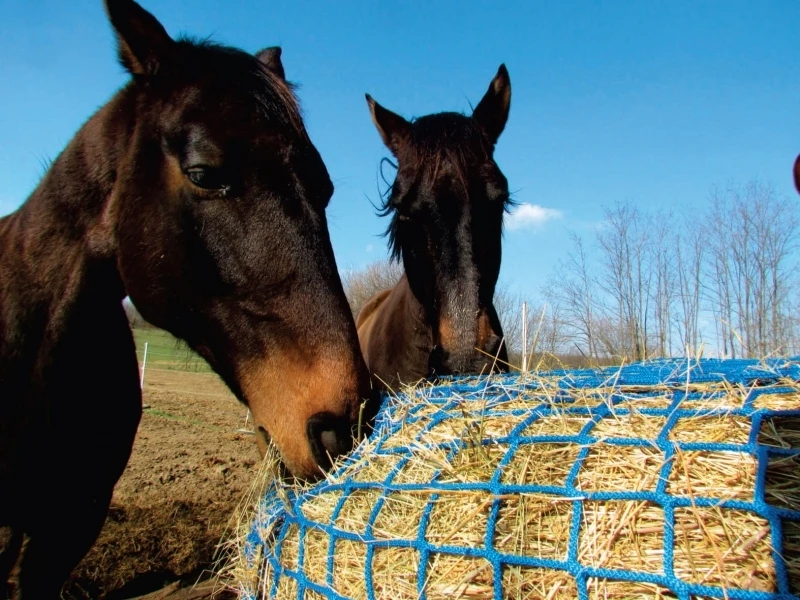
[{"x": 613, "y": 483}]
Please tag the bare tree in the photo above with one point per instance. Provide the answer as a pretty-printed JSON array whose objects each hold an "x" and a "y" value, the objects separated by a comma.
[
  {"x": 626, "y": 278},
  {"x": 662, "y": 267},
  {"x": 574, "y": 291},
  {"x": 717, "y": 275},
  {"x": 752, "y": 268},
  {"x": 361, "y": 284},
  {"x": 689, "y": 258},
  {"x": 545, "y": 329},
  {"x": 509, "y": 310},
  {"x": 653, "y": 279}
]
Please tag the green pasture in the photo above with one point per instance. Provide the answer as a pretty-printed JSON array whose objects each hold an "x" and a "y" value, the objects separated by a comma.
[{"x": 165, "y": 351}]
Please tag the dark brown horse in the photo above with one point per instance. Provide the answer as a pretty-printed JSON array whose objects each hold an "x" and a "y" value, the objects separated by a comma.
[
  {"x": 446, "y": 206},
  {"x": 196, "y": 191}
]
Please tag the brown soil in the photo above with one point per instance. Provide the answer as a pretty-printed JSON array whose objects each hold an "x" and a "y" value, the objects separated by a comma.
[{"x": 189, "y": 470}]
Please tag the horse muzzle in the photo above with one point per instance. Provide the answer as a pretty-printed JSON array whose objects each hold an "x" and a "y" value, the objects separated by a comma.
[{"x": 469, "y": 361}]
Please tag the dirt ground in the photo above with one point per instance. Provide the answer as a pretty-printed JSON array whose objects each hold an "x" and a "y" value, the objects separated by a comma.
[{"x": 189, "y": 470}]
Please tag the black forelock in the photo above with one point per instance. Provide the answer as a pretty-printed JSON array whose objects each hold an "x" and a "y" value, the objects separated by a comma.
[
  {"x": 196, "y": 59},
  {"x": 444, "y": 131},
  {"x": 441, "y": 136}
]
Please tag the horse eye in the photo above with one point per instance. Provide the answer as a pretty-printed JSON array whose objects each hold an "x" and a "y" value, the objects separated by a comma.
[{"x": 207, "y": 178}]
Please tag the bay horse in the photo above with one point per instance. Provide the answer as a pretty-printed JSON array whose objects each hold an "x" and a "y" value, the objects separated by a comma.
[
  {"x": 446, "y": 205},
  {"x": 196, "y": 191}
]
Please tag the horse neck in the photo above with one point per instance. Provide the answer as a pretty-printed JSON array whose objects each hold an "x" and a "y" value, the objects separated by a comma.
[
  {"x": 416, "y": 326},
  {"x": 60, "y": 244}
]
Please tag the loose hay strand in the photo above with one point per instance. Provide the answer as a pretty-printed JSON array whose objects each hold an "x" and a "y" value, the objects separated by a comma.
[{"x": 235, "y": 571}]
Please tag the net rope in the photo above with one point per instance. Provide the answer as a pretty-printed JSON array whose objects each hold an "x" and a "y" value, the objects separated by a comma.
[{"x": 621, "y": 389}]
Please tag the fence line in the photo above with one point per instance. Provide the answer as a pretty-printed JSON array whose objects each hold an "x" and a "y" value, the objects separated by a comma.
[
  {"x": 144, "y": 365},
  {"x": 183, "y": 371},
  {"x": 188, "y": 363},
  {"x": 154, "y": 353},
  {"x": 195, "y": 393},
  {"x": 189, "y": 359},
  {"x": 162, "y": 363},
  {"x": 171, "y": 380},
  {"x": 166, "y": 370},
  {"x": 182, "y": 362}
]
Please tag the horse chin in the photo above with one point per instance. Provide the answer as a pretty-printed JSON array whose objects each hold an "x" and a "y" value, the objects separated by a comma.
[
  {"x": 442, "y": 363},
  {"x": 288, "y": 464},
  {"x": 263, "y": 441}
]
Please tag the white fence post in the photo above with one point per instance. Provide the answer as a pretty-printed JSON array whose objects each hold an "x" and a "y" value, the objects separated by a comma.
[
  {"x": 144, "y": 364},
  {"x": 524, "y": 337}
]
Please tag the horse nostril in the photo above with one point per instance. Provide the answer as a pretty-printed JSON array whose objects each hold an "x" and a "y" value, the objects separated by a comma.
[
  {"x": 330, "y": 442},
  {"x": 329, "y": 437}
]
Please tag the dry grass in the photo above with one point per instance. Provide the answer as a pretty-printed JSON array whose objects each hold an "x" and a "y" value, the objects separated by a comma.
[
  {"x": 781, "y": 488},
  {"x": 394, "y": 571},
  {"x": 399, "y": 517},
  {"x": 649, "y": 401},
  {"x": 558, "y": 423},
  {"x": 726, "y": 548},
  {"x": 791, "y": 553},
  {"x": 781, "y": 432},
  {"x": 611, "y": 468},
  {"x": 449, "y": 577},
  {"x": 631, "y": 425},
  {"x": 459, "y": 519},
  {"x": 725, "y": 428},
  {"x": 545, "y": 464},
  {"x": 730, "y": 399},
  {"x": 473, "y": 463},
  {"x": 622, "y": 535},
  {"x": 533, "y": 525},
  {"x": 779, "y": 401},
  {"x": 605, "y": 589},
  {"x": 723, "y": 475},
  {"x": 713, "y": 545},
  {"x": 531, "y": 583}
]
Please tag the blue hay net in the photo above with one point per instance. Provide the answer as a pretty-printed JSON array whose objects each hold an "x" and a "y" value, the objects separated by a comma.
[{"x": 620, "y": 390}]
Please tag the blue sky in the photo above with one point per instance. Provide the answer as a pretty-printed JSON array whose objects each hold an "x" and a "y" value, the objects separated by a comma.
[{"x": 652, "y": 102}]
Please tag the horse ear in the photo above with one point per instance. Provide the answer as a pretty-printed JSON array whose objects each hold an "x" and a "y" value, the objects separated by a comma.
[
  {"x": 271, "y": 58},
  {"x": 492, "y": 111},
  {"x": 797, "y": 173},
  {"x": 142, "y": 42},
  {"x": 393, "y": 128}
]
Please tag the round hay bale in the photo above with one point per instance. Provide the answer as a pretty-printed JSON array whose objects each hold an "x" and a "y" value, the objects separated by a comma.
[{"x": 670, "y": 478}]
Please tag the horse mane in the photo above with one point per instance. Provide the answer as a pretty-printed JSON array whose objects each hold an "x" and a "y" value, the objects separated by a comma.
[{"x": 435, "y": 138}]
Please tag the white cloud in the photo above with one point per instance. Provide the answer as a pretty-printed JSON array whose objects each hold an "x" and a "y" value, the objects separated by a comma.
[
  {"x": 531, "y": 216},
  {"x": 369, "y": 247}
]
